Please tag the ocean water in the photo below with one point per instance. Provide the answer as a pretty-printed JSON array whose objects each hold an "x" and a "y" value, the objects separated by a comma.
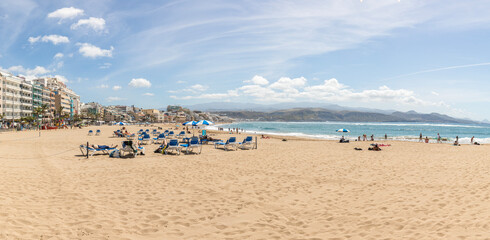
[{"x": 395, "y": 131}]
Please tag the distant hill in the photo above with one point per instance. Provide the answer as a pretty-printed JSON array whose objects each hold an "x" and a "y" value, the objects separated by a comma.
[
  {"x": 322, "y": 114},
  {"x": 233, "y": 106}
]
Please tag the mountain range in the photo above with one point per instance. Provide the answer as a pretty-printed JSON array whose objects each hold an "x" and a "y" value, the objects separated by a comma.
[{"x": 289, "y": 112}]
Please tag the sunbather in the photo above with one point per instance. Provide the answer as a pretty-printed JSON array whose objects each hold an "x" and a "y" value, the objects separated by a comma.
[
  {"x": 375, "y": 148},
  {"x": 103, "y": 146}
]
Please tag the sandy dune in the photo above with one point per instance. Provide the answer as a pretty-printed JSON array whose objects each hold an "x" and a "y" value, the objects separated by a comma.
[{"x": 297, "y": 189}]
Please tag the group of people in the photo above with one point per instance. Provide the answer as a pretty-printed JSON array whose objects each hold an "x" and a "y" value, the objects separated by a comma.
[
  {"x": 439, "y": 140},
  {"x": 364, "y": 137}
]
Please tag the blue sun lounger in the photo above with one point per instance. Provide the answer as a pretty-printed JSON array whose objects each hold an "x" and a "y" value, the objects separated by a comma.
[
  {"x": 173, "y": 145},
  {"x": 229, "y": 144}
]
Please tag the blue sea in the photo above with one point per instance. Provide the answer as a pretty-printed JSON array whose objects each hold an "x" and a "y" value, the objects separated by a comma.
[{"x": 394, "y": 131}]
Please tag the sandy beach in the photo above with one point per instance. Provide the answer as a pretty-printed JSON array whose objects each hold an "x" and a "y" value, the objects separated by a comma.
[{"x": 294, "y": 189}]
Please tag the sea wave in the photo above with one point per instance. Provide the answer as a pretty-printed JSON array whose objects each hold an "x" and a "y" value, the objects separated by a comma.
[{"x": 411, "y": 138}]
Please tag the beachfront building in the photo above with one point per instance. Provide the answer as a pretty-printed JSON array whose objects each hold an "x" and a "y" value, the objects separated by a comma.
[
  {"x": 25, "y": 99},
  {"x": 153, "y": 115},
  {"x": 10, "y": 105},
  {"x": 37, "y": 95},
  {"x": 63, "y": 101}
]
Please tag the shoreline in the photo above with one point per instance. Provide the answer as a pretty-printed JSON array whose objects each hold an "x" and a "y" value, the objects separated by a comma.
[{"x": 432, "y": 140}]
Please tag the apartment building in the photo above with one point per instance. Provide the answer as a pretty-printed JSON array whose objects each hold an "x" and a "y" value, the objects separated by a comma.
[
  {"x": 10, "y": 93},
  {"x": 26, "y": 108},
  {"x": 60, "y": 97}
]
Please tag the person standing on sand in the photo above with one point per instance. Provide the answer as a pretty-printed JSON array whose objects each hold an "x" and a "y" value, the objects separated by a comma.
[
  {"x": 420, "y": 138},
  {"x": 472, "y": 139},
  {"x": 386, "y": 136},
  {"x": 364, "y": 137},
  {"x": 426, "y": 139},
  {"x": 372, "y": 137},
  {"x": 439, "y": 138}
]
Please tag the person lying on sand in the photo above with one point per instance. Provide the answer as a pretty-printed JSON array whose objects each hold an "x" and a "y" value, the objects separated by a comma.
[
  {"x": 103, "y": 146},
  {"x": 265, "y": 137},
  {"x": 375, "y": 148},
  {"x": 342, "y": 140}
]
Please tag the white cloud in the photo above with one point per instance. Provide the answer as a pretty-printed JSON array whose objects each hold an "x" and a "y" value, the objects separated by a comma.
[
  {"x": 257, "y": 80},
  {"x": 58, "y": 56},
  {"x": 62, "y": 79},
  {"x": 434, "y": 93},
  {"x": 149, "y": 94},
  {"x": 97, "y": 24},
  {"x": 38, "y": 70},
  {"x": 105, "y": 66},
  {"x": 116, "y": 88},
  {"x": 91, "y": 51},
  {"x": 139, "y": 83},
  {"x": 114, "y": 99},
  {"x": 198, "y": 87},
  {"x": 103, "y": 86},
  {"x": 66, "y": 13},
  {"x": 181, "y": 82},
  {"x": 296, "y": 89},
  {"x": 55, "y": 39}
]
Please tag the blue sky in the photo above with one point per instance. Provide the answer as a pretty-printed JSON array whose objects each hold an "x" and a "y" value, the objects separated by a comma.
[{"x": 428, "y": 56}]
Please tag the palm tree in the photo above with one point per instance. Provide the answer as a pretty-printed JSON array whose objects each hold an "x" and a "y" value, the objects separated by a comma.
[{"x": 39, "y": 112}]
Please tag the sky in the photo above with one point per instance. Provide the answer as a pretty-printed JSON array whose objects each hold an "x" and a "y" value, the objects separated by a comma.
[{"x": 427, "y": 56}]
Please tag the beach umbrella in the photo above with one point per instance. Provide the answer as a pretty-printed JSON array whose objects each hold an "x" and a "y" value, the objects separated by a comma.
[
  {"x": 190, "y": 123},
  {"x": 342, "y": 130},
  {"x": 204, "y": 122},
  {"x": 121, "y": 123}
]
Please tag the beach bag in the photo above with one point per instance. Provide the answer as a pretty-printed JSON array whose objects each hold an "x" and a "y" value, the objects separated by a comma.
[{"x": 115, "y": 154}]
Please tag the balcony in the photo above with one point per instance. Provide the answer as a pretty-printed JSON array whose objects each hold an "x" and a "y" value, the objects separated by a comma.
[{"x": 8, "y": 94}]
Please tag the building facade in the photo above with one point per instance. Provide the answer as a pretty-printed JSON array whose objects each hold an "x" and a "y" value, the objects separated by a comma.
[{"x": 10, "y": 105}]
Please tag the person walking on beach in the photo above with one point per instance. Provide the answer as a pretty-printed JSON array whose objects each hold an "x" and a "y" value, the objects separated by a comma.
[
  {"x": 472, "y": 139},
  {"x": 420, "y": 138},
  {"x": 364, "y": 137},
  {"x": 439, "y": 138},
  {"x": 372, "y": 137}
]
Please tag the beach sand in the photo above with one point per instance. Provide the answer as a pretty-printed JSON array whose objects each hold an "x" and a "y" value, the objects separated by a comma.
[{"x": 295, "y": 189}]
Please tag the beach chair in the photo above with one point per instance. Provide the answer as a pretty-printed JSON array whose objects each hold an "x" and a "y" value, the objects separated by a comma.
[
  {"x": 159, "y": 139},
  {"x": 170, "y": 134},
  {"x": 166, "y": 132},
  {"x": 248, "y": 143},
  {"x": 229, "y": 144},
  {"x": 97, "y": 133},
  {"x": 90, "y": 132},
  {"x": 145, "y": 138},
  {"x": 91, "y": 150},
  {"x": 129, "y": 147},
  {"x": 194, "y": 144},
  {"x": 173, "y": 145},
  {"x": 181, "y": 134},
  {"x": 118, "y": 133}
]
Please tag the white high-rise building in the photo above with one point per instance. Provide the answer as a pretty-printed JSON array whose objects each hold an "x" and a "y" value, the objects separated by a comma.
[{"x": 10, "y": 96}]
